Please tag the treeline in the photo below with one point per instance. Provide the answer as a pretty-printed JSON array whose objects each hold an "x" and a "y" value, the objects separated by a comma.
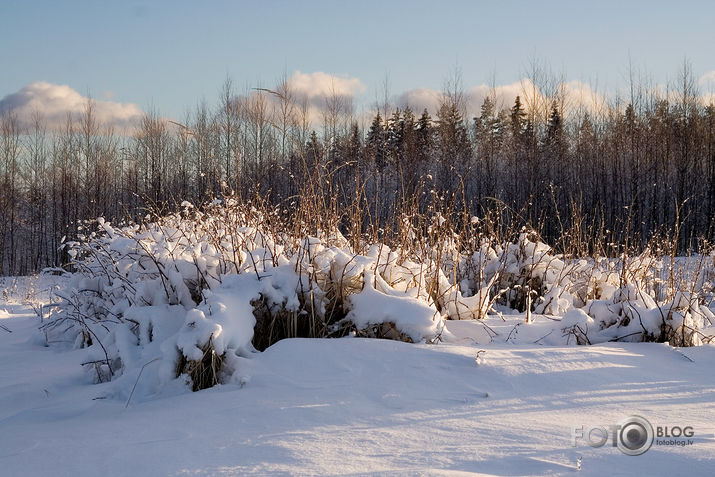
[{"x": 616, "y": 173}]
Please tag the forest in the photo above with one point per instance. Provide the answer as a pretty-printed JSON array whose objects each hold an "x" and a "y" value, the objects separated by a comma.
[{"x": 626, "y": 171}]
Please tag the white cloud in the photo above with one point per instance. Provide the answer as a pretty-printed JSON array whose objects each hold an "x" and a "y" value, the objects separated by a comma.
[
  {"x": 419, "y": 99},
  {"x": 504, "y": 96},
  {"x": 706, "y": 91},
  {"x": 582, "y": 96},
  {"x": 707, "y": 80},
  {"x": 578, "y": 95},
  {"x": 322, "y": 85},
  {"x": 707, "y": 85},
  {"x": 319, "y": 91},
  {"x": 54, "y": 102}
]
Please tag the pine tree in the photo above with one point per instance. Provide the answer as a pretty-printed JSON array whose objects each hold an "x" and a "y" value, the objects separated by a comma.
[
  {"x": 454, "y": 149},
  {"x": 489, "y": 128},
  {"x": 313, "y": 152},
  {"x": 554, "y": 128},
  {"x": 376, "y": 142},
  {"x": 517, "y": 119}
]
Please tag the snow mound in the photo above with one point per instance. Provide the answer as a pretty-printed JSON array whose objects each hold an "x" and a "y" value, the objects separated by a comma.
[{"x": 413, "y": 317}]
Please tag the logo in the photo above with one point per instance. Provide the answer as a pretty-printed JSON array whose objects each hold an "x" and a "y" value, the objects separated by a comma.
[{"x": 633, "y": 435}]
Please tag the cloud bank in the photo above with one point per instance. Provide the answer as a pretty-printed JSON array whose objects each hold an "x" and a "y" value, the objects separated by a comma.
[
  {"x": 318, "y": 91},
  {"x": 54, "y": 102}
]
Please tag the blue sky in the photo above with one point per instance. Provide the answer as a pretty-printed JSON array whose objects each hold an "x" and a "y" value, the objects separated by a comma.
[{"x": 170, "y": 55}]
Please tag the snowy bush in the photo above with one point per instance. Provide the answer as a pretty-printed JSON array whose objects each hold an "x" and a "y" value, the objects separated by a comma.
[{"x": 198, "y": 291}]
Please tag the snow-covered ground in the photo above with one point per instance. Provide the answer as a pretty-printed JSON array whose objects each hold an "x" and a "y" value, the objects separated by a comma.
[{"x": 355, "y": 406}]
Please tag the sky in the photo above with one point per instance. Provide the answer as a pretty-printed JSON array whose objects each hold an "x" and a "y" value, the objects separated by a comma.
[{"x": 168, "y": 56}]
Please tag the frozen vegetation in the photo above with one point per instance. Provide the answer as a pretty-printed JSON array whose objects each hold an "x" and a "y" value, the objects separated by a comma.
[{"x": 198, "y": 290}]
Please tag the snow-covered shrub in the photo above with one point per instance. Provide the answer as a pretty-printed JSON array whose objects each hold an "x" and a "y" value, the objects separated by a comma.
[
  {"x": 631, "y": 314},
  {"x": 172, "y": 281},
  {"x": 199, "y": 290},
  {"x": 527, "y": 274},
  {"x": 684, "y": 319},
  {"x": 196, "y": 292}
]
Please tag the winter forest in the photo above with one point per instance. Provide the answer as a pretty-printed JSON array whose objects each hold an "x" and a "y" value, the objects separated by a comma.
[{"x": 616, "y": 174}]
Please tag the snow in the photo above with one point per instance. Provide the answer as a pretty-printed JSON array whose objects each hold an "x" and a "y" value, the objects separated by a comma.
[
  {"x": 415, "y": 318},
  {"x": 356, "y": 406}
]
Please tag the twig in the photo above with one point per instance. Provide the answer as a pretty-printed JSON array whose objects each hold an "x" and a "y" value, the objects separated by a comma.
[{"x": 137, "y": 381}]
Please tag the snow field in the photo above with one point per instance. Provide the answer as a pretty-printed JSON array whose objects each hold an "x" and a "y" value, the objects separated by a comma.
[{"x": 358, "y": 407}]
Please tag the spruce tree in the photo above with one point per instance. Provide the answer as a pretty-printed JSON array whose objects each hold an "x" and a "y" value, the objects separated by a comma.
[{"x": 376, "y": 142}]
